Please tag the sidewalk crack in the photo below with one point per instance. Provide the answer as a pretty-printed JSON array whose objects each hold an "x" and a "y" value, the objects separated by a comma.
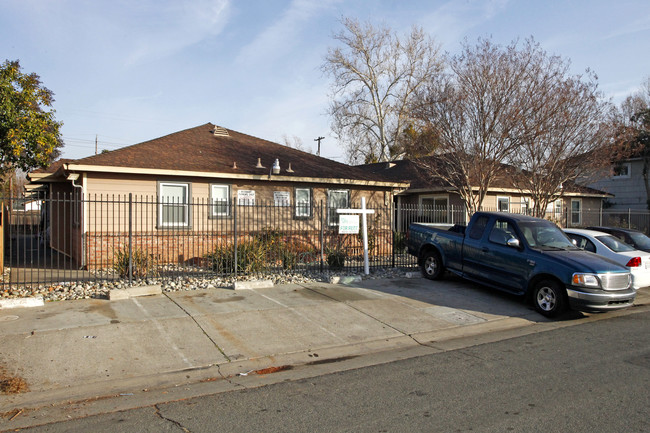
[
  {"x": 201, "y": 328},
  {"x": 176, "y": 423}
]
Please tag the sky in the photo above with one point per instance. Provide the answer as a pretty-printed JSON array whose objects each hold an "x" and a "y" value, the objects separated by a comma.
[{"x": 125, "y": 71}]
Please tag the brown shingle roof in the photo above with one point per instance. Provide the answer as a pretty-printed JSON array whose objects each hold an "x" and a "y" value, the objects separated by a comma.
[
  {"x": 199, "y": 149},
  {"x": 406, "y": 170}
]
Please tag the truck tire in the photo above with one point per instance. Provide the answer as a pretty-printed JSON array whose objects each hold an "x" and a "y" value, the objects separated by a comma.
[
  {"x": 432, "y": 267},
  {"x": 549, "y": 298}
]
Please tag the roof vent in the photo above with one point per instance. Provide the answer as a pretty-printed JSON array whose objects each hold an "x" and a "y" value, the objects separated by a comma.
[
  {"x": 259, "y": 163},
  {"x": 234, "y": 165},
  {"x": 289, "y": 170},
  {"x": 218, "y": 131}
]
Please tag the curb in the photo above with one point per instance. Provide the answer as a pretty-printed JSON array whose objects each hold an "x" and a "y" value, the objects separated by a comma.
[
  {"x": 134, "y": 292},
  {"x": 22, "y": 302},
  {"x": 249, "y": 285}
]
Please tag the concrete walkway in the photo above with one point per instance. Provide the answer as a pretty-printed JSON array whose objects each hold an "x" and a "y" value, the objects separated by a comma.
[{"x": 82, "y": 351}]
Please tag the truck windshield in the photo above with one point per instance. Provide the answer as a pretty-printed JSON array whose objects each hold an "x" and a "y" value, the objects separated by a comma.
[{"x": 545, "y": 235}]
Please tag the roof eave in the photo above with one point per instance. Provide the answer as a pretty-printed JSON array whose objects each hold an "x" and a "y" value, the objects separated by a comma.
[{"x": 217, "y": 175}]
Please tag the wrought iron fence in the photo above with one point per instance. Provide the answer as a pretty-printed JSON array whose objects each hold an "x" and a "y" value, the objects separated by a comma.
[
  {"x": 64, "y": 238},
  {"x": 135, "y": 237}
]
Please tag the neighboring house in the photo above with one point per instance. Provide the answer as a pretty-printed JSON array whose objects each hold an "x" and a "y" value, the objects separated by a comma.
[
  {"x": 188, "y": 182},
  {"x": 625, "y": 183},
  {"x": 435, "y": 200}
]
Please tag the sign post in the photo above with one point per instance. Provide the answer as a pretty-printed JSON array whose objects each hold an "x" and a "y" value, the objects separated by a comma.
[{"x": 364, "y": 229}]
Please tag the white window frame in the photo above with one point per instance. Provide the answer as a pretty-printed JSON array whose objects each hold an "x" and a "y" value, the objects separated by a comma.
[
  {"x": 186, "y": 205},
  {"x": 434, "y": 197},
  {"x": 213, "y": 200},
  {"x": 525, "y": 206},
  {"x": 628, "y": 171},
  {"x": 557, "y": 208},
  {"x": 507, "y": 199},
  {"x": 302, "y": 211},
  {"x": 331, "y": 211},
  {"x": 578, "y": 212}
]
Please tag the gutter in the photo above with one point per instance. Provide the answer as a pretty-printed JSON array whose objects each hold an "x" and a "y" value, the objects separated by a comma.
[{"x": 216, "y": 175}]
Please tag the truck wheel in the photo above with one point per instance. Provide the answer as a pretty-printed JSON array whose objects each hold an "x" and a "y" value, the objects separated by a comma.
[
  {"x": 549, "y": 298},
  {"x": 432, "y": 267}
]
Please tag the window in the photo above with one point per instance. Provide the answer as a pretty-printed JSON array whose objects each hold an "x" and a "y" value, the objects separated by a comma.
[
  {"x": 478, "y": 227},
  {"x": 503, "y": 204},
  {"x": 173, "y": 209},
  {"x": 583, "y": 243},
  {"x": 434, "y": 208},
  {"x": 336, "y": 199},
  {"x": 576, "y": 211},
  {"x": 622, "y": 170},
  {"x": 558, "y": 208},
  {"x": 303, "y": 202},
  {"x": 219, "y": 200},
  {"x": 502, "y": 232}
]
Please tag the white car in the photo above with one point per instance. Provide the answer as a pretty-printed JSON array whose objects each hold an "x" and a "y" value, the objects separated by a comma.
[{"x": 604, "y": 244}]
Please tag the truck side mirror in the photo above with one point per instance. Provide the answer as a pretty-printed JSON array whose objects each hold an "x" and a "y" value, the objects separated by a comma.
[{"x": 513, "y": 242}]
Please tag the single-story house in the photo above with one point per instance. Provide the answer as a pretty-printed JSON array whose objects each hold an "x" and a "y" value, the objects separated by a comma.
[
  {"x": 193, "y": 182},
  {"x": 433, "y": 199}
]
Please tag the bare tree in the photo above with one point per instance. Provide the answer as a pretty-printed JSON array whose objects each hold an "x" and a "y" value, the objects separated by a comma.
[
  {"x": 562, "y": 130},
  {"x": 467, "y": 118},
  {"x": 295, "y": 142},
  {"x": 632, "y": 131},
  {"x": 375, "y": 74}
]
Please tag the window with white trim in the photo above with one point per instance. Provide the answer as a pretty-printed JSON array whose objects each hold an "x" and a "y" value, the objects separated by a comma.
[
  {"x": 622, "y": 170},
  {"x": 302, "y": 199},
  {"x": 434, "y": 208},
  {"x": 503, "y": 204},
  {"x": 219, "y": 200},
  {"x": 173, "y": 208},
  {"x": 576, "y": 211},
  {"x": 336, "y": 199}
]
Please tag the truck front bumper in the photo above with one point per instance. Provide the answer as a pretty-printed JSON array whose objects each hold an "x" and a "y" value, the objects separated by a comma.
[{"x": 601, "y": 300}]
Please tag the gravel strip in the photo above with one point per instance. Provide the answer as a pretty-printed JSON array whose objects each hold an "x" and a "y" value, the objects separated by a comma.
[{"x": 99, "y": 289}]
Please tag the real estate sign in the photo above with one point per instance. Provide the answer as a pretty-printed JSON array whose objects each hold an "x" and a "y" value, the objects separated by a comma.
[{"x": 348, "y": 224}]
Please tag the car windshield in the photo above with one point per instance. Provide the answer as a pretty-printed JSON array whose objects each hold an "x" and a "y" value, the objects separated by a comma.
[
  {"x": 614, "y": 244},
  {"x": 641, "y": 240},
  {"x": 546, "y": 236}
]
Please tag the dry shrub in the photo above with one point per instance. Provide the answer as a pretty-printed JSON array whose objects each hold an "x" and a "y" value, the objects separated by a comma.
[{"x": 11, "y": 384}]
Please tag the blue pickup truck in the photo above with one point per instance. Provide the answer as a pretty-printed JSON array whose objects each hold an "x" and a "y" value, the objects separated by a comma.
[{"x": 526, "y": 256}]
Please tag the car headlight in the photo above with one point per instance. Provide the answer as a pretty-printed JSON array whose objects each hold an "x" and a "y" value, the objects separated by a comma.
[{"x": 585, "y": 280}]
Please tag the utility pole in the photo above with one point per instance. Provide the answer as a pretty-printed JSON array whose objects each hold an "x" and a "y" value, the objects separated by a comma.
[
  {"x": 95, "y": 144},
  {"x": 319, "y": 139}
]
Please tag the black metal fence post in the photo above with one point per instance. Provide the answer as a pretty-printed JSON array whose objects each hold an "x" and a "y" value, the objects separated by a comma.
[
  {"x": 234, "y": 221},
  {"x": 322, "y": 236},
  {"x": 130, "y": 238}
]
